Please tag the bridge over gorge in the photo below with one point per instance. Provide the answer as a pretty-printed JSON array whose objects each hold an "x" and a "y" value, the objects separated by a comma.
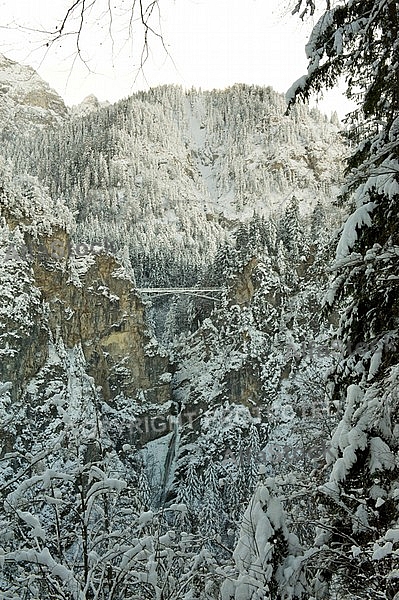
[{"x": 188, "y": 291}]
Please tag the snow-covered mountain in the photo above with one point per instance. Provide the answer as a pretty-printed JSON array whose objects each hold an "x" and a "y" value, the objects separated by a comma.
[
  {"x": 170, "y": 174},
  {"x": 132, "y": 435},
  {"x": 27, "y": 103}
]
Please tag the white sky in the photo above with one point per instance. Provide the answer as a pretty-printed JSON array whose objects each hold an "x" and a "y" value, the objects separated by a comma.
[{"x": 211, "y": 44}]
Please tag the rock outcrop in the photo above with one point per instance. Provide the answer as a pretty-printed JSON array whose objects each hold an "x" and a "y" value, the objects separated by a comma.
[
  {"x": 27, "y": 103},
  {"x": 84, "y": 300}
]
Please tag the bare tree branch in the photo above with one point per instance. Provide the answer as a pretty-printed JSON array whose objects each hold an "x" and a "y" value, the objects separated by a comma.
[{"x": 141, "y": 21}]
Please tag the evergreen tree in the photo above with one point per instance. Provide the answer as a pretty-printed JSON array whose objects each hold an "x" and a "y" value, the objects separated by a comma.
[
  {"x": 190, "y": 493},
  {"x": 359, "y": 39},
  {"x": 211, "y": 509},
  {"x": 290, "y": 229},
  {"x": 265, "y": 554},
  {"x": 318, "y": 222},
  {"x": 252, "y": 466}
]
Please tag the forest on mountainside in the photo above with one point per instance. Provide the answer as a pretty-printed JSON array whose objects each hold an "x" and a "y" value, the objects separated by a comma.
[
  {"x": 242, "y": 446},
  {"x": 168, "y": 174}
]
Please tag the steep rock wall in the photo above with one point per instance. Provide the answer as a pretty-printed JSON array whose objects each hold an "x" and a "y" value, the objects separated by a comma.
[{"x": 89, "y": 301}]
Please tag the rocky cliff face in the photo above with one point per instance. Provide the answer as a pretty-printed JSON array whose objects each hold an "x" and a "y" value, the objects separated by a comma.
[
  {"x": 26, "y": 101},
  {"x": 87, "y": 300},
  {"x": 92, "y": 302}
]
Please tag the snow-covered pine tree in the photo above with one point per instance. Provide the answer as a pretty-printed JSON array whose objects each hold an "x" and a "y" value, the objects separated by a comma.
[
  {"x": 318, "y": 222},
  {"x": 359, "y": 40},
  {"x": 250, "y": 458},
  {"x": 211, "y": 511},
  {"x": 290, "y": 229},
  {"x": 266, "y": 554},
  {"x": 190, "y": 493}
]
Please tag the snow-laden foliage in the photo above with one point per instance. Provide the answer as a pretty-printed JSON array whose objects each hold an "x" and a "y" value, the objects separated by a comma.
[
  {"x": 24, "y": 201},
  {"x": 359, "y": 40},
  {"x": 20, "y": 305},
  {"x": 76, "y": 522},
  {"x": 266, "y": 553}
]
